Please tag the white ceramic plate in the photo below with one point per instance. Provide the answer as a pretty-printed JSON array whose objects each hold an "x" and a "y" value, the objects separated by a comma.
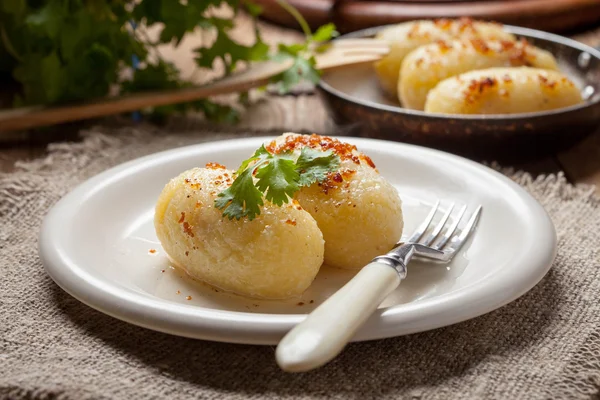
[{"x": 97, "y": 243}]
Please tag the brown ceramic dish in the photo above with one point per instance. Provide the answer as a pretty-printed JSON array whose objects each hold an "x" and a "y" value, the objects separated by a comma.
[{"x": 359, "y": 106}]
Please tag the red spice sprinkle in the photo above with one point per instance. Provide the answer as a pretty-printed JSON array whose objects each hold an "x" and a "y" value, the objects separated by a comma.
[
  {"x": 443, "y": 23},
  {"x": 312, "y": 301},
  {"x": 178, "y": 292},
  {"x": 413, "y": 30},
  {"x": 187, "y": 228},
  {"x": 188, "y": 298},
  {"x": 187, "y": 253},
  {"x": 152, "y": 251},
  {"x": 291, "y": 222},
  {"x": 480, "y": 45},
  {"x": 466, "y": 23},
  {"x": 337, "y": 177},
  {"x": 296, "y": 204},
  {"x": 368, "y": 160},
  {"x": 443, "y": 46},
  {"x": 182, "y": 217},
  {"x": 300, "y": 304},
  {"x": 162, "y": 270},
  {"x": 476, "y": 87},
  {"x": 546, "y": 82},
  {"x": 314, "y": 141},
  {"x": 213, "y": 165},
  {"x": 187, "y": 180}
]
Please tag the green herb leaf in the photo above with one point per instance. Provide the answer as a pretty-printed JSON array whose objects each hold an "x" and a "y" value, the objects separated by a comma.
[
  {"x": 254, "y": 9},
  {"x": 241, "y": 199},
  {"x": 47, "y": 19},
  {"x": 59, "y": 51},
  {"x": 304, "y": 66},
  {"x": 13, "y": 6},
  {"x": 52, "y": 76},
  {"x": 313, "y": 165},
  {"x": 303, "y": 69},
  {"x": 276, "y": 177},
  {"x": 325, "y": 33}
]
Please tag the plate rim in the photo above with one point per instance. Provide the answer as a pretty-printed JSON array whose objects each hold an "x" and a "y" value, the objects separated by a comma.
[{"x": 260, "y": 328}]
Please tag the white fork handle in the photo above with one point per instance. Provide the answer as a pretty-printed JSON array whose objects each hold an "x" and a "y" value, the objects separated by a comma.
[{"x": 325, "y": 332}]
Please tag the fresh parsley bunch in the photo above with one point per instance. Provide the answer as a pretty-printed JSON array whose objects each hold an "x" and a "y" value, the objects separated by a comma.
[
  {"x": 61, "y": 51},
  {"x": 276, "y": 177}
]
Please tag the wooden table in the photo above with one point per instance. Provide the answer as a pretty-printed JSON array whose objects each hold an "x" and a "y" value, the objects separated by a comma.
[{"x": 580, "y": 164}]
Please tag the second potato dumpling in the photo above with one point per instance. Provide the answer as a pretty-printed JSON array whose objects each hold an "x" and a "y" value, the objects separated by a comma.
[
  {"x": 425, "y": 67},
  {"x": 503, "y": 91},
  {"x": 407, "y": 36},
  {"x": 358, "y": 211}
]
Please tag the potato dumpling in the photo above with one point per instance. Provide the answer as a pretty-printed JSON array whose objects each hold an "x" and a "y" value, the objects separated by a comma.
[
  {"x": 503, "y": 91},
  {"x": 426, "y": 66},
  {"x": 407, "y": 36},
  {"x": 358, "y": 211},
  {"x": 275, "y": 256}
]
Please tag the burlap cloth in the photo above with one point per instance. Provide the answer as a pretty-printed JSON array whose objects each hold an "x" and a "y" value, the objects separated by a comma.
[{"x": 544, "y": 345}]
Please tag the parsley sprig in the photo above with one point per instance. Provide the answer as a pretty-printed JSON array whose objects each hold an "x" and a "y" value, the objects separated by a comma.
[
  {"x": 304, "y": 65},
  {"x": 276, "y": 177},
  {"x": 66, "y": 51}
]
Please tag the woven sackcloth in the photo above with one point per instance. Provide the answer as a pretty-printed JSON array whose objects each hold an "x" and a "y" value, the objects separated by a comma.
[{"x": 545, "y": 345}]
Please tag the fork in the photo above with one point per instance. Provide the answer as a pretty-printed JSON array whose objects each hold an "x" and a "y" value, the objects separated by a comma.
[
  {"x": 338, "y": 54},
  {"x": 325, "y": 332}
]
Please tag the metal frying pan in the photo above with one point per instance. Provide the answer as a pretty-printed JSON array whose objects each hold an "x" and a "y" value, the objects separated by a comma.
[{"x": 359, "y": 107}]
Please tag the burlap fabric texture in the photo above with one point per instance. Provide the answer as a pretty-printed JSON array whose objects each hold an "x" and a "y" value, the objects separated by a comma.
[{"x": 546, "y": 345}]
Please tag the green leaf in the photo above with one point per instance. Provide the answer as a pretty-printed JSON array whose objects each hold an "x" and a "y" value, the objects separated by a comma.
[
  {"x": 253, "y": 9},
  {"x": 47, "y": 19},
  {"x": 277, "y": 176},
  {"x": 73, "y": 33},
  {"x": 174, "y": 14},
  {"x": 292, "y": 49},
  {"x": 53, "y": 78},
  {"x": 148, "y": 11},
  {"x": 260, "y": 154},
  {"x": 13, "y": 6},
  {"x": 277, "y": 179},
  {"x": 230, "y": 52},
  {"x": 313, "y": 165},
  {"x": 241, "y": 199},
  {"x": 302, "y": 69},
  {"x": 325, "y": 33},
  {"x": 218, "y": 112}
]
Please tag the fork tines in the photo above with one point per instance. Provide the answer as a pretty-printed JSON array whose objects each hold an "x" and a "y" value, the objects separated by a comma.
[{"x": 442, "y": 236}]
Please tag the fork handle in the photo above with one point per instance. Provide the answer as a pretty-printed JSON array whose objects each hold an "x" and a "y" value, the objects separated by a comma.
[{"x": 325, "y": 332}]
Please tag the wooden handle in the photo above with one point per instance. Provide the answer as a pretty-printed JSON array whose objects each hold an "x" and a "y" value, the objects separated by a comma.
[
  {"x": 31, "y": 117},
  {"x": 353, "y": 52},
  {"x": 325, "y": 332}
]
